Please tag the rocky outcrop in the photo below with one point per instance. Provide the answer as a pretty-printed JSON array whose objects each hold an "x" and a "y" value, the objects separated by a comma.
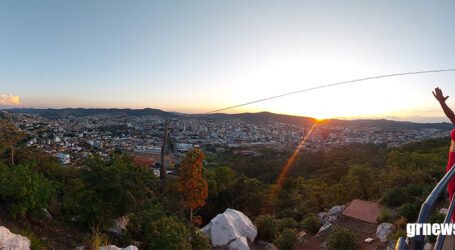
[
  {"x": 232, "y": 229},
  {"x": 384, "y": 230},
  {"x": 10, "y": 241},
  {"x": 336, "y": 210},
  {"x": 331, "y": 216},
  {"x": 324, "y": 230}
]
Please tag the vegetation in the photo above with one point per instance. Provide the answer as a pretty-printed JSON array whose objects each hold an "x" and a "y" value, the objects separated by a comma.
[
  {"x": 342, "y": 239},
  {"x": 84, "y": 201}
]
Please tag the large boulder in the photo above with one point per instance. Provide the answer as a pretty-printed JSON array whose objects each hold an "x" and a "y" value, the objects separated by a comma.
[
  {"x": 230, "y": 227},
  {"x": 336, "y": 210},
  {"x": 240, "y": 243},
  {"x": 10, "y": 241},
  {"x": 384, "y": 230}
]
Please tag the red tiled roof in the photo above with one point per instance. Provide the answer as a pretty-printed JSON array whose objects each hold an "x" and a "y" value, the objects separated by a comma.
[{"x": 363, "y": 210}]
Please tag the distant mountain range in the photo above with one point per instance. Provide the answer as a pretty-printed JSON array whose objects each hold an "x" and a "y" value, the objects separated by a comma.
[{"x": 255, "y": 118}]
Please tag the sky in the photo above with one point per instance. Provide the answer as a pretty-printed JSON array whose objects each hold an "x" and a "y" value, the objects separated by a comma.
[{"x": 199, "y": 56}]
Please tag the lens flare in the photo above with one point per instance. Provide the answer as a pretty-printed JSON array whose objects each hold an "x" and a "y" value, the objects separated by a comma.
[{"x": 286, "y": 167}]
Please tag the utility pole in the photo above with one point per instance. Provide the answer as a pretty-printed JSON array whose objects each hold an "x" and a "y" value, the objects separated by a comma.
[{"x": 163, "y": 184}]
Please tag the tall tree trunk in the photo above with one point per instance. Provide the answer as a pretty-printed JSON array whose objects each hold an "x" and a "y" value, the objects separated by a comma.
[
  {"x": 163, "y": 184},
  {"x": 191, "y": 214}
]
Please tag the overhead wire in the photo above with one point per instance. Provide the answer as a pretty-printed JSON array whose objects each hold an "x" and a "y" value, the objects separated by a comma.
[{"x": 330, "y": 85}]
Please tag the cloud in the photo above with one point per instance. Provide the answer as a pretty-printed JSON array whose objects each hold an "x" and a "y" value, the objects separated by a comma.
[{"x": 10, "y": 100}]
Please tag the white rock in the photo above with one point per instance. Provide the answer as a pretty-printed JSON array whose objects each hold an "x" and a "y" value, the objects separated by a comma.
[
  {"x": 428, "y": 246},
  {"x": 325, "y": 218},
  {"x": 206, "y": 230},
  {"x": 266, "y": 245},
  {"x": 336, "y": 210},
  {"x": 384, "y": 230},
  {"x": 229, "y": 226},
  {"x": 323, "y": 230},
  {"x": 119, "y": 225},
  {"x": 443, "y": 211},
  {"x": 240, "y": 243},
  {"x": 10, "y": 241},
  {"x": 369, "y": 240}
]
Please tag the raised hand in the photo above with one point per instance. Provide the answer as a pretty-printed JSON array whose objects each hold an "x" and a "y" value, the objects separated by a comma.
[{"x": 438, "y": 95}]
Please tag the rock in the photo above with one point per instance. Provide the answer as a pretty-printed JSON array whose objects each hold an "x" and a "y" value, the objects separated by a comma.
[
  {"x": 228, "y": 226},
  {"x": 369, "y": 240},
  {"x": 10, "y": 241},
  {"x": 443, "y": 211},
  {"x": 240, "y": 243},
  {"x": 428, "y": 246},
  {"x": 206, "y": 230},
  {"x": 112, "y": 247},
  {"x": 336, "y": 210},
  {"x": 119, "y": 225},
  {"x": 81, "y": 247},
  {"x": 324, "y": 230},
  {"x": 384, "y": 230},
  {"x": 325, "y": 218}
]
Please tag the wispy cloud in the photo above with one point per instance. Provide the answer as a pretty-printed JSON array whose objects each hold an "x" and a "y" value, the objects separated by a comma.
[{"x": 10, "y": 100}]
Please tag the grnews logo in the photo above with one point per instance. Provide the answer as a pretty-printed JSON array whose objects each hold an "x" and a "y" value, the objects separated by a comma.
[{"x": 427, "y": 229}]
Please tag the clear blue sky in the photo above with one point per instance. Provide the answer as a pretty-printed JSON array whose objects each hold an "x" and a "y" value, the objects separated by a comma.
[{"x": 196, "y": 56}]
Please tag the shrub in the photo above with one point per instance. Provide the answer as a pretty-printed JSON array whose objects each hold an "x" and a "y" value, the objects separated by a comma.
[
  {"x": 342, "y": 239},
  {"x": 400, "y": 223},
  {"x": 23, "y": 189},
  {"x": 287, "y": 239},
  {"x": 286, "y": 223},
  {"x": 167, "y": 233},
  {"x": 384, "y": 217},
  {"x": 311, "y": 224},
  {"x": 199, "y": 240},
  {"x": 393, "y": 197},
  {"x": 414, "y": 189},
  {"x": 267, "y": 227},
  {"x": 409, "y": 211}
]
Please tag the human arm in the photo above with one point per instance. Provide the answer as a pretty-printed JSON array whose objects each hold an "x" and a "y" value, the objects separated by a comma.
[{"x": 442, "y": 100}]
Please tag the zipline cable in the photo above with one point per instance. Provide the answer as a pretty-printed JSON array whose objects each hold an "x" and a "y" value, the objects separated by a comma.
[{"x": 331, "y": 85}]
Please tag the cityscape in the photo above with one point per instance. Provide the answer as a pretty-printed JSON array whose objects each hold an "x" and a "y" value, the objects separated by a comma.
[{"x": 72, "y": 139}]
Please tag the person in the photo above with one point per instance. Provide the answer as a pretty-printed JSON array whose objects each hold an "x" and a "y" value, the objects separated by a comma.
[{"x": 451, "y": 115}]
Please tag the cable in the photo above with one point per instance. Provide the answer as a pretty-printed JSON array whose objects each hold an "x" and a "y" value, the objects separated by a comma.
[{"x": 331, "y": 85}]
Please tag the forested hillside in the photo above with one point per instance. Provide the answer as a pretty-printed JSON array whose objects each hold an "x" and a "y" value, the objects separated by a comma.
[{"x": 83, "y": 201}]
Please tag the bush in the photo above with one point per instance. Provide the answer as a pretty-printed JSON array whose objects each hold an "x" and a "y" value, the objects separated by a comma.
[
  {"x": 393, "y": 197},
  {"x": 167, "y": 233},
  {"x": 414, "y": 189},
  {"x": 286, "y": 223},
  {"x": 287, "y": 239},
  {"x": 342, "y": 239},
  {"x": 200, "y": 241},
  {"x": 311, "y": 224},
  {"x": 409, "y": 211},
  {"x": 384, "y": 217},
  {"x": 23, "y": 189},
  {"x": 267, "y": 227}
]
